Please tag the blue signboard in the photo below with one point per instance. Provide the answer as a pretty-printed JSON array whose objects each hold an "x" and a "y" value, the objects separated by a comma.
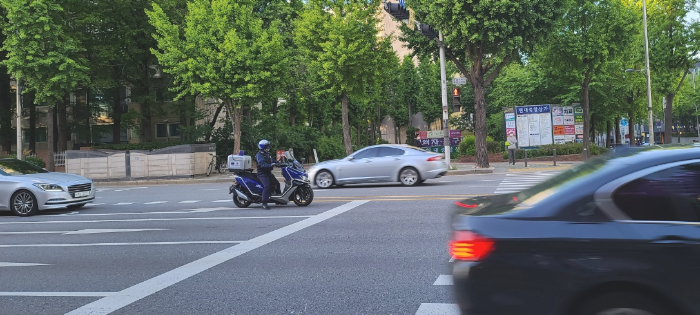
[{"x": 533, "y": 109}]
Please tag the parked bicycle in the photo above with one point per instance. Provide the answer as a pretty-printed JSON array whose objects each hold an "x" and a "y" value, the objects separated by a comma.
[{"x": 221, "y": 167}]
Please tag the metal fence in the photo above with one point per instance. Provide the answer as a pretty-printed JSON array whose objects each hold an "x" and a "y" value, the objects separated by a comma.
[{"x": 59, "y": 159}]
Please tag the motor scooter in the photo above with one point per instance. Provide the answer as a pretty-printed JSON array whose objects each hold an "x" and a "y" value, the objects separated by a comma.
[{"x": 247, "y": 188}]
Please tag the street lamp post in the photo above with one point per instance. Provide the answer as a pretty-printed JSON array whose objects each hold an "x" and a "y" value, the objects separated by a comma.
[{"x": 646, "y": 53}]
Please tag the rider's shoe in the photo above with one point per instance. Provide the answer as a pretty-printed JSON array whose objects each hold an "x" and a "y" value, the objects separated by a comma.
[{"x": 265, "y": 206}]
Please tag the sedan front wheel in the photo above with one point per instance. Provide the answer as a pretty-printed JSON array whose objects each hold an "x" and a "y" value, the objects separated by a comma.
[
  {"x": 324, "y": 179},
  {"x": 23, "y": 204}
]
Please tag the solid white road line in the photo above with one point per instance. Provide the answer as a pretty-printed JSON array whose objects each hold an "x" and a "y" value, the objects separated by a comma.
[
  {"x": 84, "y": 231},
  {"x": 139, "y": 291},
  {"x": 119, "y": 244},
  {"x": 443, "y": 280},
  {"x": 438, "y": 309},
  {"x": 71, "y": 294},
  {"x": 156, "y": 219},
  {"x": 9, "y": 264},
  {"x": 155, "y": 202}
]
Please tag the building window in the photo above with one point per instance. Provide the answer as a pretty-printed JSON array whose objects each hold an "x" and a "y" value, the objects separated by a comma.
[
  {"x": 167, "y": 130},
  {"x": 39, "y": 133}
]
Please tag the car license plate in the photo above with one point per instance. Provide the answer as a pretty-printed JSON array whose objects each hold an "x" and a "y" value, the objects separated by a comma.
[{"x": 82, "y": 194}]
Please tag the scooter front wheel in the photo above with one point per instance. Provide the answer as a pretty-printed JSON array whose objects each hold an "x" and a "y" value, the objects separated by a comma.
[{"x": 303, "y": 196}]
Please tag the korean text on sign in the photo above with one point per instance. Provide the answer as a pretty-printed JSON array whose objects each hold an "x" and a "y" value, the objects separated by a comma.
[{"x": 535, "y": 109}]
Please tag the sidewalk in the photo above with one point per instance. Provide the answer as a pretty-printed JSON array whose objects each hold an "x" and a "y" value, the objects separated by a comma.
[{"x": 461, "y": 169}]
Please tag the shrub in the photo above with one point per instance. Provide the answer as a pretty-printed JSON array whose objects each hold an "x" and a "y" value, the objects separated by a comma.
[
  {"x": 562, "y": 149},
  {"x": 330, "y": 148},
  {"x": 466, "y": 146}
]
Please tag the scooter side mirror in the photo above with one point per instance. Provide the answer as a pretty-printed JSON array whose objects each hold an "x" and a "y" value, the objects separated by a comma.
[{"x": 303, "y": 160}]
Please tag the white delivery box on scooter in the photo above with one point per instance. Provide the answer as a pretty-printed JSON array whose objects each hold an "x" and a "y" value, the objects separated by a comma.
[{"x": 239, "y": 163}]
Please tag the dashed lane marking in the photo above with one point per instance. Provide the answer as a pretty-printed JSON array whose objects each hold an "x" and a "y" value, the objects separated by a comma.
[
  {"x": 438, "y": 309},
  {"x": 162, "y": 219},
  {"x": 444, "y": 280},
  {"x": 190, "y": 201},
  {"x": 116, "y": 244},
  {"x": 155, "y": 202}
]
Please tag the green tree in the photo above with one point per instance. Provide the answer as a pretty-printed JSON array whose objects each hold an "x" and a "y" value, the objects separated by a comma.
[
  {"x": 674, "y": 42},
  {"x": 43, "y": 53},
  {"x": 480, "y": 38},
  {"x": 222, "y": 51},
  {"x": 591, "y": 34},
  {"x": 429, "y": 101},
  {"x": 340, "y": 39}
]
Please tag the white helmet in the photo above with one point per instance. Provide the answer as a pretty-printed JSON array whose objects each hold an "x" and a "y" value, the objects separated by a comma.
[{"x": 264, "y": 145}]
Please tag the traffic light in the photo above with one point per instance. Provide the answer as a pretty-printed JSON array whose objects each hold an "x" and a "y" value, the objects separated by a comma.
[
  {"x": 396, "y": 10},
  {"x": 456, "y": 104},
  {"x": 427, "y": 31}
]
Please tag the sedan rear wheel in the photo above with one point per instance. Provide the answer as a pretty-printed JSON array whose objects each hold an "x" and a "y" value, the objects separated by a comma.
[
  {"x": 23, "y": 204},
  {"x": 324, "y": 179},
  {"x": 409, "y": 176}
]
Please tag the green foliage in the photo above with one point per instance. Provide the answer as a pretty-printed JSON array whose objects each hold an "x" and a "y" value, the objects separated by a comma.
[
  {"x": 496, "y": 126},
  {"x": 41, "y": 49},
  {"x": 32, "y": 159},
  {"x": 467, "y": 147},
  {"x": 562, "y": 149},
  {"x": 330, "y": 147},
  {"x": 145, "y": 146}
]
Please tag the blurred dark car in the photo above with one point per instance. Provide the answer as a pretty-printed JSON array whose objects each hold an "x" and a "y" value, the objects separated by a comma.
[{"x": 618, "y": 235}]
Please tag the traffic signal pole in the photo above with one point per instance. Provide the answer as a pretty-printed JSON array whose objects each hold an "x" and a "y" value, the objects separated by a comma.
[{"x": 445, "y": 116}]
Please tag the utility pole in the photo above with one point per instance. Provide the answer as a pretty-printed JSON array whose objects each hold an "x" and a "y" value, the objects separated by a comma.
[
  {"x": 19, "y": 121},
  {"x": 646, "y": 53},
  {"x": 445, "y": 116}
]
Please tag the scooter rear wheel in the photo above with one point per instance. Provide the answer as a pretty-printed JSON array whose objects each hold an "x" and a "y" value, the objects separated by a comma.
[
  {"x": 240, "y": 202},
  {"x": 303, "y": 196}
]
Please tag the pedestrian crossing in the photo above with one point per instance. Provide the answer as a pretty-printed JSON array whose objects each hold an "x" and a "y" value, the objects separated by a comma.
[
  {"x": 440, "y": 308},
  {"x": 516, "y": 182}
]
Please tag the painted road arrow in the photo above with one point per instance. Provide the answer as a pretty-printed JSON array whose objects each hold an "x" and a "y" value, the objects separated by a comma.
[{"x": 85, "y": 231}]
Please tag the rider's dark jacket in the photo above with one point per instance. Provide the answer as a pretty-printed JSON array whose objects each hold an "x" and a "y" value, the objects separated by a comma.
[{"x": 264, "y": 161}]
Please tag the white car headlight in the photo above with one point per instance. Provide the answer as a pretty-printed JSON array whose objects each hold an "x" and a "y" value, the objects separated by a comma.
[{"x": 49, "y": 187}]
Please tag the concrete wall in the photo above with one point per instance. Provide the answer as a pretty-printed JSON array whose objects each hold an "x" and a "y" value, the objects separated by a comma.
[{"x": 177, "y": 161}]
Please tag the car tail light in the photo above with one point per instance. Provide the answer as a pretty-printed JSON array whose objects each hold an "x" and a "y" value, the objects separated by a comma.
[
  {"x": 435, "y": 158},
  {"x": 470, "y": 206},
  {"x": 467, "y": 245}
]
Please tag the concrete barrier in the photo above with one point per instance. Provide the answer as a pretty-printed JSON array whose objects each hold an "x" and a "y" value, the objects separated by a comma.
[{"x": 180, "y": 161}]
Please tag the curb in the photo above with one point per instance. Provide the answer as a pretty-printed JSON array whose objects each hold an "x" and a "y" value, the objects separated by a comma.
[{"x": 470, "y": 171}]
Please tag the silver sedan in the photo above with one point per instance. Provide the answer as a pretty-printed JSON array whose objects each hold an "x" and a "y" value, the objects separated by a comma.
[
  {"x": 25, "y": 189},
  {"x": 380, "y": 163}
]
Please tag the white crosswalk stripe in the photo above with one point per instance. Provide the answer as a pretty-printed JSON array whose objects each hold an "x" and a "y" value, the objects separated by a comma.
[
  {"x": 440, "y": 308},
  {"x": 515, "y": 182}
]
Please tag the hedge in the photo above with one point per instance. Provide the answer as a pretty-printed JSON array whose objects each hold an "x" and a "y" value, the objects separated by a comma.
[
  {"x": 35, "y": 160},
  {"x": 468, "y": 146},
  {"x": 562, "y": 149}
]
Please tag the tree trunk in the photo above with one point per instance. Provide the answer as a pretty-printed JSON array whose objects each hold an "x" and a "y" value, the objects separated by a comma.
[
  {"x": 482, "y": 156},
  {"x": 88, "y": 129},
  {"x": 608, "y": 132},
  {"x": 586, "y": 117},
  {"x": 292, "y": 112},
  {"x": 618, "y": 133},
  {"x": 632, "y": 121},
  {"x": 62, "y": 125},
  {"x": 29, "y": 102},
  {"x": 5, "y": 109},
  {"x": 346, "y": 124},
  {"x": 213, "y": 120},
  {"x": 117, "y": 116},
  {"x": 50, "y": 166},
  {"x": 668, "y": 118}
]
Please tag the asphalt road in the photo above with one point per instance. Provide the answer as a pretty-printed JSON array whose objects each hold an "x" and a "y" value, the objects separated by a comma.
[{"x": 186, "y": 249}]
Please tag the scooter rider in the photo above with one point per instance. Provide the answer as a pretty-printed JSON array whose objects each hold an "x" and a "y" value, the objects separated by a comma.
[{"x": 265, "y": 166}]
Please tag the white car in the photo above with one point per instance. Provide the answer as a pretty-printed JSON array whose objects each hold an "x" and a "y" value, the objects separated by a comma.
[
  {"x": 380, "y": 163},
  {"x": 26, "y": 189}
]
